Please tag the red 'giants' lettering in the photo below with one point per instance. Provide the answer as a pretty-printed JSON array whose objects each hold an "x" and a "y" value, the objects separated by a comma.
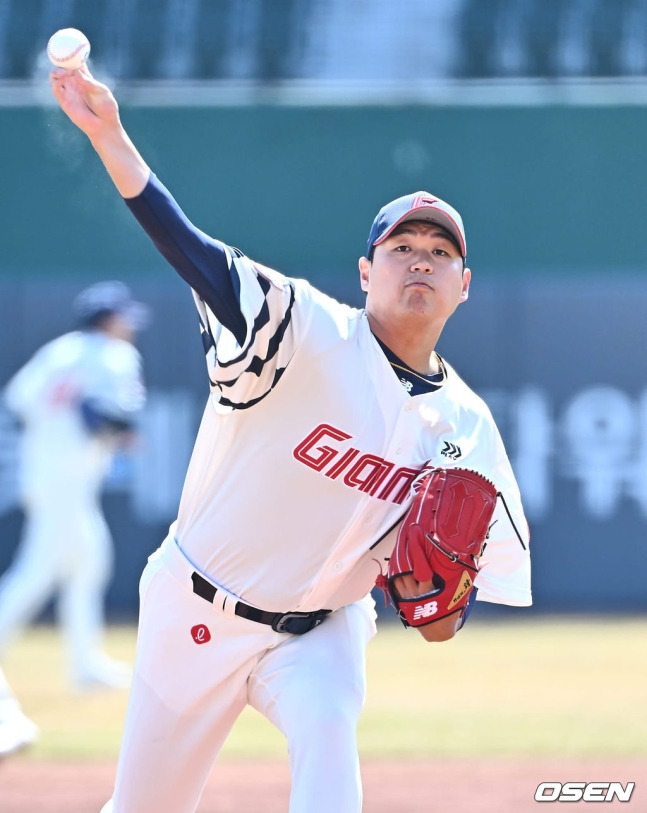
[{"x": 368, "y": 472}]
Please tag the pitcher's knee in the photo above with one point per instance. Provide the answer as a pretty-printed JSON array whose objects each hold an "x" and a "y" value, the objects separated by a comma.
[{"x": 327, "y": 722}]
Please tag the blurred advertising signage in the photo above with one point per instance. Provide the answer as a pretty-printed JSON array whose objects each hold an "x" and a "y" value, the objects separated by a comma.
[{"x": 597, "y": 439}]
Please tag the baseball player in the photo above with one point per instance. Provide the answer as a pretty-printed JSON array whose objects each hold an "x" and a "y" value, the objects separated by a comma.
[
  {"x": 319, "y": 419},
  {"x": 77, "y": 399}
]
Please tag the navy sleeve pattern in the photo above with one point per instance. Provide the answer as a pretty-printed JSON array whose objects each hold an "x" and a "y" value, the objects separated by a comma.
[
  {"x": 245, "y": 309},
  {"x": 200, "y": 260}
]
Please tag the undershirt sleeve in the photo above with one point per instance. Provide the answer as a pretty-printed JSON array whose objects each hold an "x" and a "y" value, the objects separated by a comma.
[{"x": 204, "y": 263}]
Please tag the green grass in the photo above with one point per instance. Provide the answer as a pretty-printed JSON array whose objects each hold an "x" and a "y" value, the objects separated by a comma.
[
  {"x": 554, "y": 688},
  {"x": 530, "y": 687}
]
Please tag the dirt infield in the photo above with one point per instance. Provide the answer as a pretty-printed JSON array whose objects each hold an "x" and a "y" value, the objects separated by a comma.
[{"x": 447, "y": 786}]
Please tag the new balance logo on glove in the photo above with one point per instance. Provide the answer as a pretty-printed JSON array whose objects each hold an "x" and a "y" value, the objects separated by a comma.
[{"x": 425, "y": 610}]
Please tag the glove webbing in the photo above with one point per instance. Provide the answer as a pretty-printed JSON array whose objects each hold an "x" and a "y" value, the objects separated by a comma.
[{"x": 453, "y": 557}]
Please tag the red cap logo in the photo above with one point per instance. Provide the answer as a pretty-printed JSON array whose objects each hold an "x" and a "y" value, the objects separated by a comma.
[
  {"x": 421, "y": 200},
  {"x": 200, "y": 634}
]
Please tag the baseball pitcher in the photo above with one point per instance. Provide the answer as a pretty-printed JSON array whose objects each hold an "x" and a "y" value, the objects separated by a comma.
[{"x": 330, "y": 435}]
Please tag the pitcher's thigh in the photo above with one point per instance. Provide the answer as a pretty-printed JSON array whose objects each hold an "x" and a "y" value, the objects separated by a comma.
[
  {"x": 307, "y": 674},
  {"x": 185, "y": 696},
  {"x": 167, "y": 751},
  {"x": 312, "y": 687}
]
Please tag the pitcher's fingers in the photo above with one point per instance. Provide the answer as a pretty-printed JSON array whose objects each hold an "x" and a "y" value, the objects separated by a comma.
[
  {"x": 88, "y": 82},
  {"x": 57, "y": 78},
  {"x": 58, "y": 85},
  {"x": 84, "y": 73},
  {"x": 406, "y": 586},
  {"x": 425, "y": 587}
]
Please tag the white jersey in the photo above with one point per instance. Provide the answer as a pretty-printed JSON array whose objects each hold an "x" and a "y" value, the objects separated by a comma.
[
  {"x": 301, "y": 471},
  {"x": 307, "y": 449},
  {"x": 60, "y": 456}
]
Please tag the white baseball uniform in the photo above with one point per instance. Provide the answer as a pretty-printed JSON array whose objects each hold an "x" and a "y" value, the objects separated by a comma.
[
  {"x": 301, "y": 467},
  {"x": 66, "y": 546}
]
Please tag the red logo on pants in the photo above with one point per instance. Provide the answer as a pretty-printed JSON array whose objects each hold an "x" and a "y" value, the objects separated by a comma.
[{"x": 200, "y": 634}]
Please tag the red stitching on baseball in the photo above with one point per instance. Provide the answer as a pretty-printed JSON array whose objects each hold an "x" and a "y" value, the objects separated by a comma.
[{"x": 69, "y": 56}]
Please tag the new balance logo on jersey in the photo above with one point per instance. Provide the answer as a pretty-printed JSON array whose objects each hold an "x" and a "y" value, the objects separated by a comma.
[
  {"x": 451, "y": 450},
  {"x": 367, "y": 472},
  {"x": 406, "y": 384},
  {"x": 425, "y": 610}
]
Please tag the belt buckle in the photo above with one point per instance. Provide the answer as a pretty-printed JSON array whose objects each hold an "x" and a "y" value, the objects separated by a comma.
[{"x": 296, "y": 623}]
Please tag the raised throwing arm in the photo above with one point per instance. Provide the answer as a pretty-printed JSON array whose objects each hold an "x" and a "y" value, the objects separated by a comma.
[{"x": 92, "y": 107}]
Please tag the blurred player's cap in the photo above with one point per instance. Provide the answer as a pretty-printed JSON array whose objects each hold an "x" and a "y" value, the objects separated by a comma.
[
  {"x": 418, "y": 206},
  {"x": 107, "y": 298}
]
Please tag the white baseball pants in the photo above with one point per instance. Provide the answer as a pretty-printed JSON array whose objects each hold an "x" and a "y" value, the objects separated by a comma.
[{"x": 186, "y": 695}]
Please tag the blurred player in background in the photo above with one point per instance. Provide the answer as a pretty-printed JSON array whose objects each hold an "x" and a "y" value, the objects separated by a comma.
[{"x": 78, "y": 399}]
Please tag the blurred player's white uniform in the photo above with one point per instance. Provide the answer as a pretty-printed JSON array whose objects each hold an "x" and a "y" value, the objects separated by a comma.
[{"x": 77, "y": 399}]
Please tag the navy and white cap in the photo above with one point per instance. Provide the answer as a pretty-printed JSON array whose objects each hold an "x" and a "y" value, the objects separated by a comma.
[
  {"x": 418, "y": 206},
  {"x": 107, "y": 298}
]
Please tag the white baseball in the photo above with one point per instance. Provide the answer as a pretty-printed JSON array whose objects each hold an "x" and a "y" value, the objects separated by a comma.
[{"x": 68, "y": 48}]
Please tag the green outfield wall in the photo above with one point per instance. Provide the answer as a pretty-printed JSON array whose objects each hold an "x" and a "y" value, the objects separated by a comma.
[
  {"x": 543, "y": 190},
  {"x": 552, "y": 336}
]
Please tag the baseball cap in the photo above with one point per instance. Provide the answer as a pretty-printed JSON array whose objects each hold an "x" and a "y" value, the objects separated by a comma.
[
  {"x": 417, "y": 206},
  {"x": 107, "y": 298}
]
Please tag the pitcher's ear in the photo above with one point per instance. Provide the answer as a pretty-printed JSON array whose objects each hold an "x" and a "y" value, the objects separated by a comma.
[
  {"x": 364, "y": 265},
  {"x": 467, "y": 278}
]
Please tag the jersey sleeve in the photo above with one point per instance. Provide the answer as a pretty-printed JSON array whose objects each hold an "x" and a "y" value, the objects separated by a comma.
[
  {"x": 504, "y": 569},
  {"x": 114, "y": 393},
  {"x": 246, "y": 310},
  {"x": 80, "y": 372},
  {"x": 26, "y": 392}
]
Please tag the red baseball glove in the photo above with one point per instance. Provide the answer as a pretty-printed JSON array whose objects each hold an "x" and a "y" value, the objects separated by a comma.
[{"x": 435, "y": 559}]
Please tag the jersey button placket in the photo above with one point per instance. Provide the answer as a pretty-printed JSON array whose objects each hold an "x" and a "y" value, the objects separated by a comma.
[{"x": 402, "y": 431}]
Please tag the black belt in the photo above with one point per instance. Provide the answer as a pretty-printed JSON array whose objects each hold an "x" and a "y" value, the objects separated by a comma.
[{"x": 294, "y": 623}]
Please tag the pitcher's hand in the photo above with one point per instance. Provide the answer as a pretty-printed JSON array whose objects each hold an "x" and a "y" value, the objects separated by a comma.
[{"x": 88, "y": 104}]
